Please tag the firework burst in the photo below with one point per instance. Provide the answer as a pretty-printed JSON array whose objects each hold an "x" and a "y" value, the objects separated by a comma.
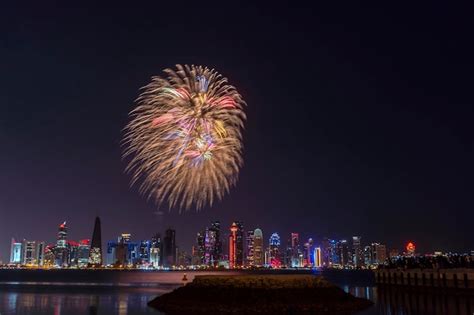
[{"x": 184, "y": 140}]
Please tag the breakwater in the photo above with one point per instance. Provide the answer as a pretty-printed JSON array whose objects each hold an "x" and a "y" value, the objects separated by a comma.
[{"x": 434, "y": 278}]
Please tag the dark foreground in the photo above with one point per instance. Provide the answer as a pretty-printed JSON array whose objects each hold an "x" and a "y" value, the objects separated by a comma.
[{"x": 265, "y": 294}]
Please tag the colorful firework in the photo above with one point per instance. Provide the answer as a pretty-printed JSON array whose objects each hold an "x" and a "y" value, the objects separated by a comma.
[{"x": 184, "y": 140}]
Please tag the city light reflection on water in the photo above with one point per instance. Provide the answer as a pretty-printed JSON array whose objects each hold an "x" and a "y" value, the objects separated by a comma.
[
  {"x": 73, "y": 301},
  {"x": 46, "y": 300}
]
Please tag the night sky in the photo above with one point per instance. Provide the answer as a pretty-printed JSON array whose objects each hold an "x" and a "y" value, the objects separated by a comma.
[{"x": 360, "y": 119}]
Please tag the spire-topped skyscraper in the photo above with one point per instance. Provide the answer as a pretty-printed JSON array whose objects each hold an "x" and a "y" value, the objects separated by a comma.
[{"x": 95, "y": 254}]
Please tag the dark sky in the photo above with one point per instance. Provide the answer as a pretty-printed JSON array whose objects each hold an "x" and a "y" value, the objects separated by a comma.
[{"x": 360, "y": 119}]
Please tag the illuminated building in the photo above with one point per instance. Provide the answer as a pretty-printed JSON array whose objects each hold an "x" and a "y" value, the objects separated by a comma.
[
  {"x": 368, "y": 255},
  {"x": 376, "y": 254},
  {"x": 326, "y": 252},
  {"x": 49, "y": 256},
  {"x": 15, "y": 252},
  {"x": 169, "y": 248},
  {"x": 380, "y": 254},
  {"x": 318, "y": 262},
  {"x": 308, "y": 254},
  {"x": 40, "y": 249},
  {"x": 250, "y": 250},
  {"x": 274, "y": 251},
  {"x": 28, "y": 256},
  {"x": 410, "y": 249},
  {"x": 83, "y": 253},
  {"x": 72, "y": 248},
  {"x": 156, "y": 251},
  {"x": 342, "y": 249},
  {"x": 212, "y": 245},
  {"x": 61, "y": 251},
  {"x": 111, "y": 253},
  {"x": 357, "y": 252},
  {"x": 95, "y": 252},
  {"x": 295, "y": 250},
  {"x": 236, "y": 245},
  {"x": 200, "y": 248},
  {"x": 144, "y": 252},
  {"x": 258, "y": 255},
  {"x": 215, "y": 239}
]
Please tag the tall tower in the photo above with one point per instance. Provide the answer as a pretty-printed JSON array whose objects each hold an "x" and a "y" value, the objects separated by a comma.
[
  {"x": 236, "y": 245},
  {"x": 61, "y": 251},
  {"x": 249, "y": 240},
  {"x": 169, "y": 248},
  {"x": 358, "y": 257},
  {"x": 258, "y": 255},
  {"x": 274, "y": 251},
  {"x": 95, "y": 253}
]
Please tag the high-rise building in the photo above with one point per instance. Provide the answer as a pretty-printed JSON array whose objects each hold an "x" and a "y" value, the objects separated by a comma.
[
  {"x": 156, "y": 251},
  {"x": 83, "y": 253},
  {"x": 368, "y": 255},
  {"x": 29, "y": 253},
  {"x": 144, "y": 253},
  {"x": 357, "y": 254},
  {"x": 72, "y": 248},
  {"x": 40, "y": 249},
  {"x": 169, "y": 248},
  {"x": 318, "y": 260},
  {"x": 212, "y": 245},
  {"x": 342, "y": 249},
  {"x": 95, "y": 252},
  {"x": 236, "y": 245},
  {"x": 61, "y": 251},
  {"x": 274, "y": 250},
  {"x": 308, "y": 254},
  {"x": 15, "y": 252},
  {"x": 379, "y": 252},
  {"x": 249, "y": 241},
  {"x": 295, "y": 250},
  {"x": 200, "y": 248},
  {"x": 258, "y": 255}
]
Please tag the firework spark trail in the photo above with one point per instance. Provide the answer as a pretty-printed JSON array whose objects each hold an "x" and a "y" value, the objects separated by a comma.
[{"x": 184, "y": 140}]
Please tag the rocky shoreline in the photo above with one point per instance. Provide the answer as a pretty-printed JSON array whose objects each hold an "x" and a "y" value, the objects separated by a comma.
[{"x": 262, "y": 294}]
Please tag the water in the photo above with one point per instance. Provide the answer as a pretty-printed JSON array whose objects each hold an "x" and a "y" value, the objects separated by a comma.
[{"x": 46, "y": 299}]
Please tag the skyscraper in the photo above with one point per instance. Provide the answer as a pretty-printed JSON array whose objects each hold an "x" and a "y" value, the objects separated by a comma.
[
  {"x": 156, "y": 251},
  {"x": 214, "y": 245},
  {"x": 318, "y": 257},
  {"x": 357, "y": 254},
  {"x": 169, "y": 248},
  {"x": 61, "y": 251},
  {"x": 342, "y": 252},
  {"x": 250, "y": 250},
  {"x": 95, "y": 252},
  {"x": 83, "y": 253},
  {"x": 28, "y": 253},
  {"x": 236, "y": 245},
  {"x": 274, "y": 250},
  {"x": 40, "y": 249},
  {"x": 200, "y": 252},
  {"x": 258, "y": 254},
  {"x": 295, "y": 250},
  {"x": 15, "y": 252}
]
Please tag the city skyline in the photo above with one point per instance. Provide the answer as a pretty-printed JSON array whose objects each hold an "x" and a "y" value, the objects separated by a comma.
[
  {"x": 357, "y": 123},
  {"x": 210, "y": 247}
]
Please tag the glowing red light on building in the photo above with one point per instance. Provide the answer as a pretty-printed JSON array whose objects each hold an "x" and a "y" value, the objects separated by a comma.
[{"x": 411, "y": 247}]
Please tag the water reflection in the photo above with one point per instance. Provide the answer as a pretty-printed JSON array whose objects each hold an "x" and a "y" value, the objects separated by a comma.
[
  {"x": 397, "y": 301},
  {"x": 34, "y": 300},
  {"x": 67, "y": 301}
]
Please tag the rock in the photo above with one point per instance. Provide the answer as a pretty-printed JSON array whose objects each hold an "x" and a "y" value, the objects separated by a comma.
[{"x": 261, "y": 294}]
